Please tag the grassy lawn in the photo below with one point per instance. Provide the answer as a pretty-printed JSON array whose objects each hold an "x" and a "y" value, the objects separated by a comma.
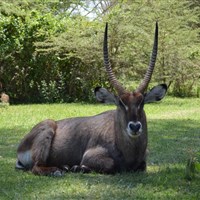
[{"x": 174, "y": 135}]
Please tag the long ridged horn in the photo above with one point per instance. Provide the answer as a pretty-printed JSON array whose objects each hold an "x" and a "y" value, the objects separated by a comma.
[
  {"x": 114, "y": 82},
  {"x": 144, "y": 84}
]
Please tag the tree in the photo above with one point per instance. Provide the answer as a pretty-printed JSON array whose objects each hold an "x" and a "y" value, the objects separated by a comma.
[
  {"x": 179, "y": 50},
  {"x": 51, "y": 51},
  {"x": 21, "y": 70}
]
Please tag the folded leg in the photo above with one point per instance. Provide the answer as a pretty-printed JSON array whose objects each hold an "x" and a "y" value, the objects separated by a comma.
[
  {"x": 33, "y": 152},
  {"x": 98, "y": 159}
]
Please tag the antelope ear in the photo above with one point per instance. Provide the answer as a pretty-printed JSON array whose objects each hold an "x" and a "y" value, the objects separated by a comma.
[
  {"x": 104, "y": 96},
  {"x": 156, "y": 93}
]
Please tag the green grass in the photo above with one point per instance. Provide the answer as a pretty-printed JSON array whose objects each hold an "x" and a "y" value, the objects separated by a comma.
[{"x": 174, "y": 135}]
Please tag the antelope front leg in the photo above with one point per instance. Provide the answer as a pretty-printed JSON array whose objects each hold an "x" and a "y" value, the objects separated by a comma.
[
  {"x": 52, "y": 171},
  {"x": 82, "y": 168},
  {"x": 98, "y": 159},
  {"x": 43, "y": 170}
]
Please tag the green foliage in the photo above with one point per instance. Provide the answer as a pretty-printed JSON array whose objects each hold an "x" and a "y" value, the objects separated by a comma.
[
  {"x": 49, "y": 92},
  {"x": 193, "y": 166},
  {"x": 49, "y": 42},
  {"x": 173, "y": 133},
  {"x": 19, "y": 65},
  {"x": 178, "y": 52}
]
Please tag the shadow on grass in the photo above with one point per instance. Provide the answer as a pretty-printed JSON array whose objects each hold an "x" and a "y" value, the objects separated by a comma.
[
  {"x": 172, "y": 141},
  {"x": 165, "y": 183}
]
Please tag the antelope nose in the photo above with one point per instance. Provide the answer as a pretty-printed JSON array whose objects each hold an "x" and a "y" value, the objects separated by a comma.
[{"x": 134, "y": 126}]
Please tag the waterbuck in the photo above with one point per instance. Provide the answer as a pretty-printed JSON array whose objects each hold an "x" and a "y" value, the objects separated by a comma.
[{"x": 109, "y": 142}]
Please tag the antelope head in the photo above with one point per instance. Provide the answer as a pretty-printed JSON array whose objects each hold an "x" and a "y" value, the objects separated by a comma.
[{"x": 130, "y": 104}]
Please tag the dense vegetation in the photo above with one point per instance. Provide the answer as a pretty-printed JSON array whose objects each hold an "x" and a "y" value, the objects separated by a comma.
[{"x": 51, "y": 51}]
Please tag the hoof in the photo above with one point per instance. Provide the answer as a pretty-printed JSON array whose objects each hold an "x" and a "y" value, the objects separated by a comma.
[
  {"x": 85, "y": 169},
  {"x": 19, "y": 165},
  {"x": 82, "y": 168},
  {"x": 65, "y": 168},
  {"x": 75, "y": 168},
  {"x": 57, "y": 173}
]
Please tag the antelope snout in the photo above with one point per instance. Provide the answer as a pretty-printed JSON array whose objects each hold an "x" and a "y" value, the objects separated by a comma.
[{"x": 134, "y": 128}]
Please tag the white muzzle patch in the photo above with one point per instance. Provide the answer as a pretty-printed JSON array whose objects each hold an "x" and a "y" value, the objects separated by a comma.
[{"x": 134, "y": 128}]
